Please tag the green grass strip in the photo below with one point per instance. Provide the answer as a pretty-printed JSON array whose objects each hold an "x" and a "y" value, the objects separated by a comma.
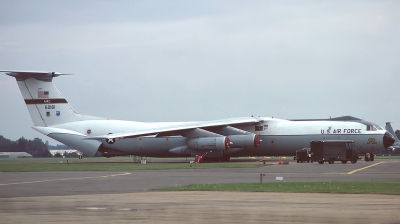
[{"x": 351, "y": 187}]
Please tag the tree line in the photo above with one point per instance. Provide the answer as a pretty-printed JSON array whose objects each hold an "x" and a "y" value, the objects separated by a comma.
[{"x": 35, "y": 147}]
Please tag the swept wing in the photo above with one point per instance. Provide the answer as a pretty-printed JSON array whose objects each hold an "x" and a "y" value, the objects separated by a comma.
[{"x": 179, "y": 128}]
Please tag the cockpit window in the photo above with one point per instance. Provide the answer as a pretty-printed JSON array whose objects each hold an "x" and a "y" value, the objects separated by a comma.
[{"x": 371, "y": 128}]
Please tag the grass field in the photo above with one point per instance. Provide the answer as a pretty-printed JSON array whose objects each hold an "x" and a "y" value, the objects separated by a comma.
[
  {"x": 111, "y": 164},
  {"x": 359, "y": 187}
]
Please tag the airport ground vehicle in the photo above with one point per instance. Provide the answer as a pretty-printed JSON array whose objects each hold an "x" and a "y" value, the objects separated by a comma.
[
  {"x": 333, "y": 150},
  {"x": 303, "y": 155}
]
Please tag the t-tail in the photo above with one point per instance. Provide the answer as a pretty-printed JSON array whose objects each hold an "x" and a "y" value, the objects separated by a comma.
[
  {"x": 50, "y": 111},
  {"x": 45, "y": 103}
]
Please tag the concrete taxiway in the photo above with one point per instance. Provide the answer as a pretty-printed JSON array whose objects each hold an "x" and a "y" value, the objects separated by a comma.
[{"x": 124, "y": 196}]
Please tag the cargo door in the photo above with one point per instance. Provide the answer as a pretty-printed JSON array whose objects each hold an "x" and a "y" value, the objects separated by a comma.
[
  {"x": 316, "y": 150},
  {"x": 349, "y": 154},
  {"x": 141, "y": 144}
]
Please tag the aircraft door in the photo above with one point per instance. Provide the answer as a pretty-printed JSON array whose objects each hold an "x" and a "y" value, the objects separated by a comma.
[{"x": 140, "y": 144}]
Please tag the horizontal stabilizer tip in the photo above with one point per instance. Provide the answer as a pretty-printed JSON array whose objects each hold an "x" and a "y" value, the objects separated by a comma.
[{"x": 40, "y": 75}]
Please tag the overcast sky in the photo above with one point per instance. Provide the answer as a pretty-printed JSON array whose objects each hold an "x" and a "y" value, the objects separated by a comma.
[{"x": 204, "y": 60}]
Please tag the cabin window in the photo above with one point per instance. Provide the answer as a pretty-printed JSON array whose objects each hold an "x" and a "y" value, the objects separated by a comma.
[{"x": 350, "y": 145}]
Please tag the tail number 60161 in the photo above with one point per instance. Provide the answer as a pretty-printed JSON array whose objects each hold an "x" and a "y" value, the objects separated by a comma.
[{"x": 49, "y": 107}]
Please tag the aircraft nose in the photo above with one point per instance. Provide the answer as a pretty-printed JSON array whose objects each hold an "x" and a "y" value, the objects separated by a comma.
[{"x": 388, "y": 140}]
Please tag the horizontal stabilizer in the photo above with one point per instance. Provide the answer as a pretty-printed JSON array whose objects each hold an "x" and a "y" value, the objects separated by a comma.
[{"x": 43, "y": 76}]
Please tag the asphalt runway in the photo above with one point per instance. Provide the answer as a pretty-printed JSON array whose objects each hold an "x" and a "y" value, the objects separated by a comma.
[
  {"x": 30, "y": 184},
  {"x": 69, "y": 196}
]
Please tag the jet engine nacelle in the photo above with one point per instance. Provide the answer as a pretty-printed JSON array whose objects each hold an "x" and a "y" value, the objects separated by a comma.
[
  {"x": 245, "y": 141},
  {"x": 209, "y": 143}
]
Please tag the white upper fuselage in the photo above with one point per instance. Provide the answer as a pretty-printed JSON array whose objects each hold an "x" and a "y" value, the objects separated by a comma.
[{"x": 270, "y": 126}]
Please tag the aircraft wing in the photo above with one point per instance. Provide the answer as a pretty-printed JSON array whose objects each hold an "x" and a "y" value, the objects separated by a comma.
[{"x": 180, "y": 128}]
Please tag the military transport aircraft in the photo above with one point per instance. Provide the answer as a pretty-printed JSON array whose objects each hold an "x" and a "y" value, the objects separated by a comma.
[{"x": 222, "y": 139}]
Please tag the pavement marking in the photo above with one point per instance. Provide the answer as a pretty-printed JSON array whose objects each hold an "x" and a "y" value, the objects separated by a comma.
[
  {"x": 351, "y": 172},
  {"x": 92, "y": 208},
  {"x": 65, "y": 179}
]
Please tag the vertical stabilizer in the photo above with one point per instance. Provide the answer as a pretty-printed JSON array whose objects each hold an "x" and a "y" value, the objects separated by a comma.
[
  {"x": 389, "y": 128},
  {"x": 45, "y": 103}
]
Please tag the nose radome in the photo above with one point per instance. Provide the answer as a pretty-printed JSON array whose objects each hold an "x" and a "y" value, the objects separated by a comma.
[{"x": 388, "y": 140}]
